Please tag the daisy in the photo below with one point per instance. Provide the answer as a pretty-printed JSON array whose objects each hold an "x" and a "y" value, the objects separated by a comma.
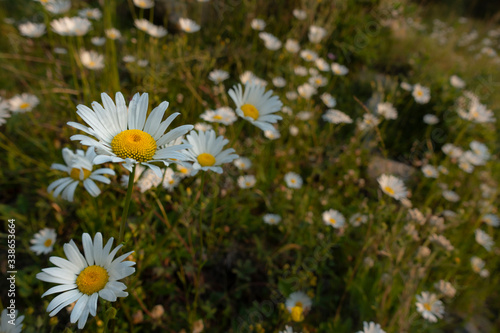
[
  {"x": 306, "y": 90},
  {"x": 279, "y": 82},
  {"x": 457, "y": 82},
  {"x": 288, "y": 329},
  {"x": 146, "y": 4},
  {"x": 441, "y": 241},
  {"x": 318, "y": 81},
  {"x": 271, "y": 42},
  {"x": 79, "y": 167},
  {"x": 125, "y": 135},
  {"x": 387, "y": 110},
  {"x": 482, "y": 238},
  {"x": 333, "y": 218},
  {"x": 206, "y": 151},
  {"x": 299, "y": 14},
  {"x": 258, "y": 24},
  {"x": 421, "y": 94},
  {"x": 43, "y": 241},
  {"x": 304, "y": 115},
  {"x": 202, "y": 127},
  {"x": 6, "y": 325},
  {"x": 224, "y": 115},
  {"x": 393, "y": 186},
  {"x": 291, "y": 95},
  {"x": 328, "y": 99},
  {"x": 339, "y": 69},
  {"x": 170, "y": 179},
  {"x": 429, "y": 306},
  {"x": 429, "y": 171},
  {"x": 57, "y": 6},
  {"x": 481, "y": 151},
  {"x": 298, "y": 303},
  {"x": 371, "y": 327},
  {"x": 406, "y": 86},
  {"x": 293, "y": 180},
  {"x": 71, "y": 26},
  {"x": 98, "y": 41},
  {"x": 431, "y": 119},
  {"x": 23, "y": 103},
  {"x": 336, "y": 117},
  {"x": 218, "y": 76},
  {"x": 445, "y": 288},
  {"x": 32, "y": 30},
  {"x": 4, "y": 111},
  {"x": 184, "y": 171},
  {"x": 357, "y": 219},
  {"x": 256, "y": 105},
  {"x": 308, "y": 55},
  {"x": 451, "y": 196},
  {"x": 242, "y": 163},
  {"x": 272, "y": 219},
  {"x": 83, "y": 279},
  {"x": 245, "y": 182},
  {"x": 292, "y": 45},
  {"x": 113, "y": 33},
  {"x": 478, "y": 266},
  {"x": 491, "y": 219},
  {"x": 92, "y": 60},
  {"x": 316, "y": 34},
  {"x": 188, "y": 25},
  {"x": 148, "y": 180},
  {"x": 272, "y": 135},
  {"x": 90, "y": 13},
  {"x": 300, "y": 70}
]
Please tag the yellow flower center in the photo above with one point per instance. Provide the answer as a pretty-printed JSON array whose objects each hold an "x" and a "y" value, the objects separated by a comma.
[
  {"x": 427, "y": 306},
  {"x": 47, "y": 243},
  {"x": 218, "y": 117},
  {"x": 135, "y": 144},
  {"x": 250, "y": 111},
  {"x": 171, "y": 181},
  {"x": 248, "y": 184},
  {"x": 92, "y": 279},
  {"x": 75, "y": 173},
  {"x": 389, "y": 190},
  {"x": 183, "y": 170},
  {"x": 332, "y": 221},
  {"x": 297, "y": 313},
  {"x": 318, "y": 81},
  {"x": 206, "y": 159},
  {"x": 419, "y": 93},
  {"x": 24, "y": 105},
  {"x": 309, "y": 57},
  {"x": 188, "y": 29},
  {"x": 293, "y": 181},
  {"x": 91, "y": 63}
]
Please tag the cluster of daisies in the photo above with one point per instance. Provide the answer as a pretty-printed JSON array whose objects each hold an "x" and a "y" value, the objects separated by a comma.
[{"x": 21, "y": 103}]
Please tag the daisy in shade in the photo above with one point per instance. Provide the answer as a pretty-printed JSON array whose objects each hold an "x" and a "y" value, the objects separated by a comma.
[
  {"x": 293, "y": 180},
  {"x": 83, "y": 279},
  {"x": 430, "y": 171},
  {"x": 23, "y": 103},
  {"x": 90, "y": 13},
  {"x": 298, "y": 303},
  {"x": 113, "y": 33},
  {"x": 393, "y": 186},
  {"x": 336, "y": 117},
  {"x": 32, "y": 30},
  {"x": 371, "y": 327},
  {"x": 245, "y": 182},
  {"x": 128, "y": 135},
  {"x": 188, "y": 25},
  {"x": 272, "y": 219},
  {"x": 421, "y": 94},
  {"x": 224, "y": 115},
  {"x": 482, "y": 238},
  {"x": 79, "y": 168},
  {"x": 145, "y": 4},
  {"x": 339, "y": 69},
  {"x": 429, "y": 306},
  {"x": 491, "y": 219},
  {"x": 333, "y": 218},
  {"x": 4, "y": 111},
  {"x": 218, "y": 76},
  {"x": 6, "y": 324},
  {"x": 258, "y": 24},
  {"x": 242, "y": 163},
  {"x": 92, "y": 60},
  {"x": 43, "y": 241},
  {"x": 71, "y": 26},
  {"x": 206, "y": 151},
  {"x": 256, "y": 105}
]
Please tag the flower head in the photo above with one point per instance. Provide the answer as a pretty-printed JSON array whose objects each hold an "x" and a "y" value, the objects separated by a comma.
[
  {"x": 23, "y": 103},
  {"x": 188, "y": 25},
  {"x": 393, "y": 186},
  {"x": 298, "y": 303},
  {"x": 333, "y": 218},
  {"x": 43, "y": 241},
  {"x": 429, "y": 306},
  {"x": 6, "y": 325},
  {"x": 293, "y": 180}
]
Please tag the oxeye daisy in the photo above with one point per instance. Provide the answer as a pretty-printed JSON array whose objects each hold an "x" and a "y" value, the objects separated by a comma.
[
  {"x": 146, "y": 4},
  {"x": 245, "y": 182},
  {"x": 7, "y": 325},
  {"x": 83, "y": 279},
  {"x": 371, "y": 327},
  {"x": 242, "y": 163},
  {"x": 125, "y": 135},
  {"x": 43, "y": 241},
  {"x": 293, "y": 180},
  {"x": 256, "y": 105},
  {"x": 421, "y": 94},
  {"x": 339, "y": 69},
  {"x": 71, "y": 26},
  {"x": 491, "y": 219},
  {"x": 298, "y": 303},
  {"x": 218, "y": 75},
  {"x": 429, "y": 306},
  {"x": 206, "y": 151},
  {"x": 482, "y": 238},
  {"x": 32, "y": 30},
  {"x": 188, "y": 25},
  {"x": 4, "y": 111},
  {"x": 333, "y": 218},
  {"x": 113, "y": 33},
  {"x": 336, "y": 117},
  {"x": 79, "y": 168},
  {"x": 23, "y": 103},
  {"x": 445, "y": 288},
  {"x": 393, "y": 186},
  {"x": 430, "y": 171},
  {"x": 92, "y": 60},
  {"x": 272, "y": 219}
]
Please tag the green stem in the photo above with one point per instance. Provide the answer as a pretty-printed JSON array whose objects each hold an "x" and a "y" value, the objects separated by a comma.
[{"x": 127, "y": 204}]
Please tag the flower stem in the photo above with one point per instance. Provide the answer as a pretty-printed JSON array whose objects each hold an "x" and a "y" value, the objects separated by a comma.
[{"x": 127, "y": 204}]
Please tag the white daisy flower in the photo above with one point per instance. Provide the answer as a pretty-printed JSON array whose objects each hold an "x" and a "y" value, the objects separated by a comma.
[
  {"x": 429, "y": 306},
  {"x": 245, "y": 182},
  {"x": 387, "y": 110},
  {"x": 371, "y": 327},
  {"x": 188, "y": 25},
  {"x": 483, "y": 239},
  {"x": 57, "y": 6},
  {"x": 98, "y": 41},
  {"x": 368, "y": 122},
  {"x": 83, "y": 279},
  {"x": 445, "y": 288},
  {"x": 318, "y": 81},
  {"x": 429, "y": 171},
  {"x": 242, "y": 163},
  {"x": 71, "y": 26},
  {"x": 304, "y": 115},
  {"x": 272, "y": 135},
  {"x": 92, "y": 60},
  {"x": 316, "y": 34},
  {"x": 32, "y": 30},
  {"x": 23, "y": 103},
  {"x": 339, "y": 69},
  {"x": 421, "y": 94},
  {"x": 292, "y": 45},
  {"x": 148, "y": 180},
  {"x": 357, "y": 219},
  {"x": 480, "y": 151},
  {"x": 170, "y": 179},
  {"x": 291, "y": 95},
  {"x": 300, "y": 70},
  {"x": 478, "y": 266},
  {"x": 6, "y": 325},
  {"x": 218, "y": 75},
  {"x": 125, "y": 135},
  {"x": 322, "y": 65},
  {"x": 406, "y": 86},
  {"x": 306, "y": 90},
  {"x": 4, "y": 111},
  {"x": 393, "y": 186},
  {"x": 256, "y": 105},
  {"x": 223, "y": 115},
  {"x": 299, "y": 14},
  {"x": 203, "y": 127},
  {"x": 90, "y": 13},
  {"x": 128, "y": 58},
  {"x": 279, "y": 82},
  {"x": 151, "y": 29},
  {"x": 328, "y": 99},
  {"x": 491, "y": 219},
  {"x": 258, "y": 24},
  {"x": 271, "y": 42},
  {"x": 184, "y": 171},
  {"x": 206, "y": 151},
  {"x": 79, "y": 167},
  {"x": 431, "y": 119},
  {"x": 336, "y": 117},
  {"x": 113, "y": 33},
  {"x": 451, "y": 196},
  {"x": 333, "y": 218},
  {"x": 249, "y": 77},
  {"x": 293, "y": 180},
  {"x": 272, "y": 219},
  {"x": 298, "y": 303},
  {"x": 43, "y": 241},
  {"x": 146, "y": 4},
  {"x": 457, "y": 82},
  {"x": 308, "y": 55}
]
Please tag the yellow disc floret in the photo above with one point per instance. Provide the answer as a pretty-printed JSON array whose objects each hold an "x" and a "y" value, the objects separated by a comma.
[
  {"x": 92, "y": 279},
  {"x": 332, "y": 221},
  {"x": 427, "y": 306},
  {"x": 206, "y": 159},
  {"x": 250, "y": 111},
  {"x": 389, "y": 190},
  {"x": 47, "y": 243},
  {"x": 24, "y": 106},
  {"x": 75, "y": 173},
  {"x": 297, "y": 313},
  {"x": 135, "y": 144}
]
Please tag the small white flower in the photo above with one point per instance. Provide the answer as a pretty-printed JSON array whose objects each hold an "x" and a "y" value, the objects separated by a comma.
[
  {"x": 71, "y": 26},
  {"x": 258, "y": 24},
  {"x": 43, "y": 241},
  {"x": 316, "y": 34},
  {"x": 242, "y": 163},
  {"x": 421, "y": 94},
  {"x": 113, "y": 33},
  {"x": 272, "y": 219},
  {"x": 357, "y": 219},
  {"x": 387, "y": 110},
  {"x": 371, "y": 327},
  {"x": 6, "y": 324},
  {"x": 431, "y": 119},
  {"x": 429, "y": 171},
  {"x": 457, "y": 82},
  {"x": 339, "y": 69},
  {"x": 445, "y": 288},
  {"x": 491, "y": 219},
  {"x": 306, "y": 90},
  {"x": 429, "y": 306},
  {"x": 32, "y": 30},
  {"x": 392, "y": 186},
  {"x": 292, "y": 45},
  {"x": 308, "y": 55},
  {"x": 245, "y": 182},
  {"x": 293, "y": 180},
  {"x": 337, "y": 117},
  {"x": 188, "y": 25},
  {"x": 300, "y": 14},
  {"x": 23, "y": 103},
  {"x": 333, "y": 218},
  {"x": 271, "y": 42},
  {"x": 218, "y": 75},
  {"x": 92, "y": 60},
  {"x": 146, "y": 4},
  {"x": 482, "y": 238},
  {"x": 451, "y": 196}
]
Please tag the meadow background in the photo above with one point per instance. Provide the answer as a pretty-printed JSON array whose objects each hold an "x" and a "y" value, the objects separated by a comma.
[{"x": 205, "y": 259}]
